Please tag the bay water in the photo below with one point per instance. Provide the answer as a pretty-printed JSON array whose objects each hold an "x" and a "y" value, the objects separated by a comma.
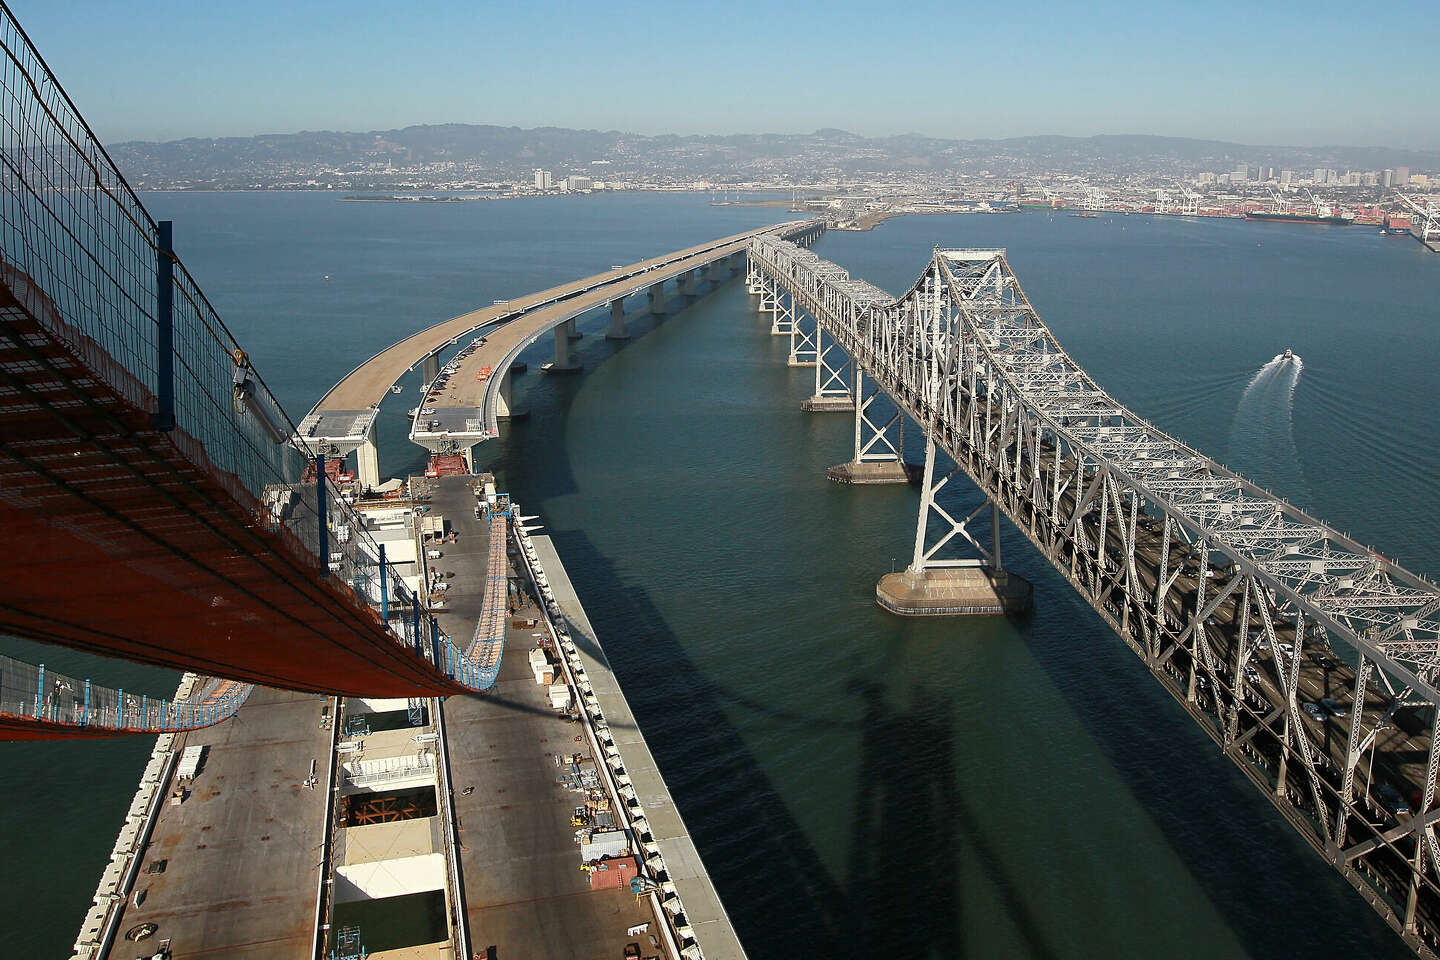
[{"x": 854, "y": 781}]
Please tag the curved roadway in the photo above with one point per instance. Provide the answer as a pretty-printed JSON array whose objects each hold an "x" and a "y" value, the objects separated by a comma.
[{"x": 362, "y": 390}]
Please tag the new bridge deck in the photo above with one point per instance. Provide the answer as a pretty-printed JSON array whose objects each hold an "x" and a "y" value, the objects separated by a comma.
[{"x": 362, "y": 390}]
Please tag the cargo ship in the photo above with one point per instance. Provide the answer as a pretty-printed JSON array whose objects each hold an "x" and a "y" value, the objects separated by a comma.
[
  {"x": 1396, "y": 225},
  {"x": 1275, "y": 216}
]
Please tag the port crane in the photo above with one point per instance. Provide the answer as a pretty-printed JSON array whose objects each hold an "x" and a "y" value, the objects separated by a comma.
[{"x": 1425, "y": 218}]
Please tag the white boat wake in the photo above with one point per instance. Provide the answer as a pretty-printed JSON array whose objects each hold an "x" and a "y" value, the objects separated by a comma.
[{"x": 1262, "y": 434}]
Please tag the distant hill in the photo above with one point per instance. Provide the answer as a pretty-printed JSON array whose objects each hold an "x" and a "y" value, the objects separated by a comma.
[{"x": 445, "y": 152}]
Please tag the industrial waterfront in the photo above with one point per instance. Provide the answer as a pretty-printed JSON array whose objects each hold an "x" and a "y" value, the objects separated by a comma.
[{"x": 756, "y": 662}]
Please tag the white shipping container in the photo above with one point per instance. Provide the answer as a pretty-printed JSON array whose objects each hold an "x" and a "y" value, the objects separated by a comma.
[
  {"x": 604, "y": 843},
  {"x": 190, "y": 761},
  {"x": 560, "y": 696}
]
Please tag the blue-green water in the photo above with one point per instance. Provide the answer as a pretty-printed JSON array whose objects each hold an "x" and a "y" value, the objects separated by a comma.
[{"x": 961, "y": 788}]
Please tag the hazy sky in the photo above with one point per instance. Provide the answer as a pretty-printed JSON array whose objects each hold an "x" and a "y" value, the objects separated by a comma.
[{"x": 1277, "y": 72}]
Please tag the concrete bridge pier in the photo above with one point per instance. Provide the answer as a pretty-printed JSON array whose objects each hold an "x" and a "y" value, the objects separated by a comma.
[
  {"x": 430, "y": 368},
  {"x": 505, "y": 408},
  {"x": 571, "y": 330},
  {"x": 878, "y": 458},
  {"x": 687, "y": 283},
  {"x": 656, "y": 293},
  {"x": 617, "y": 329},
  {"x": 934, "y": 587},
  {"x": 832, "y": 394},
  {"x": 564, "y": 362}
]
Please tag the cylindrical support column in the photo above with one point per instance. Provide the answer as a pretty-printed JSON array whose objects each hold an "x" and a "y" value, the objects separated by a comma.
[
  {"x": 506, "y": 400},
  {"x": 562, "y": 348},
  {"x": 617, "y": 329},
  {"x": 571, "y": 330},
  {"x": 656, "y": 293},
  {"x": 430, "y": 369}
]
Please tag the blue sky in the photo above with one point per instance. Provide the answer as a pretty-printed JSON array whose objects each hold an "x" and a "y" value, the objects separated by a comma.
[{"x": 1275, "y": 72}]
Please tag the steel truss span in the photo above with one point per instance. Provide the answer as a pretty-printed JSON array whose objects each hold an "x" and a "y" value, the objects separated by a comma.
[{"x": 1246, "y": 608}]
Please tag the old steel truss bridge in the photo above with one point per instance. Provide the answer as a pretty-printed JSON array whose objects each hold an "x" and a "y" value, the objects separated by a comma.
[{"x": 1311, "y": 660}]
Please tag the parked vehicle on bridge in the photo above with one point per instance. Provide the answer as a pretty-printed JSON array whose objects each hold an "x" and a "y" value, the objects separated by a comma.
[
  {"x": 1314, "y": 711},
  {"x": 1391, "y": 799}
]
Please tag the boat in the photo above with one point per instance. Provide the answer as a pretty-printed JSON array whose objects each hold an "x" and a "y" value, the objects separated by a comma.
[
  {"x": 1279, "y": 216},
  {"x": 1289, "y": 355},
  {"x": 1086, "y": 215},
  {"x": 1395, "y": 225},
  {"x": 397, "y": 388}
]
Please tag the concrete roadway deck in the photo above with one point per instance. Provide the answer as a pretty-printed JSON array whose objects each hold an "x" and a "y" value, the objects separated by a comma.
[
  {"x": 464, "y": 391},
  {"x": 464, "y": 400},
  {"x": 366, "y": 385},
  {"x": 243, "y": 852},
  {"x": 524, "y": 892}
]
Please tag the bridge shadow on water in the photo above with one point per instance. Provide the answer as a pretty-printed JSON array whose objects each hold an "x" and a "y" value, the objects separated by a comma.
[
  {"x": 1272, "y": 889},
  {"x": 915, "y": 841},
  {"x": 913, "y": 829}
]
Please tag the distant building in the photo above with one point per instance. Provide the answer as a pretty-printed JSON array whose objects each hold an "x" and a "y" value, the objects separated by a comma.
[
  {"x": 579, "y": 183},
  {"x": 1402, "y": 176},
  {"x": 1387, "y": 178},
  {"x": 1240, "y": 174},
  {"x": 1286, "y": 176},
  {"x": 543, "y": 180}
]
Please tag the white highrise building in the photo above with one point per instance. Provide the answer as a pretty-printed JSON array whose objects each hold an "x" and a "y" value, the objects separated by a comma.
[{"x": 543, "y": 180}]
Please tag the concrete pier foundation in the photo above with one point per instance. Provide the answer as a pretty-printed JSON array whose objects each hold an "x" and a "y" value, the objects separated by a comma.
[
  {"x": 873, "y": 472},
  {"x": 430, "y": 368},
  {"x": 953, "y": 592},
  {"x": 618, "y": 330},
  {"x": 571, "y": 330},
  {"x": 656, "y": 293},
  {"x": 828, "y": 404}
]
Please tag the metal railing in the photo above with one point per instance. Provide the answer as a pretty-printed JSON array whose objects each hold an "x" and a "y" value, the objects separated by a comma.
[
  {"x": 52, "y": 699},
  {"x": 72, "y": 229}
]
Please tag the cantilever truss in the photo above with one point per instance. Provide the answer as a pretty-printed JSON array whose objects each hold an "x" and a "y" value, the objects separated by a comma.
[{"x": 1245, "y": 607}]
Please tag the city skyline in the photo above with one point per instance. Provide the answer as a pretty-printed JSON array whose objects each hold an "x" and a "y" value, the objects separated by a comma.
[{"x": 1302, "y": 76}]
